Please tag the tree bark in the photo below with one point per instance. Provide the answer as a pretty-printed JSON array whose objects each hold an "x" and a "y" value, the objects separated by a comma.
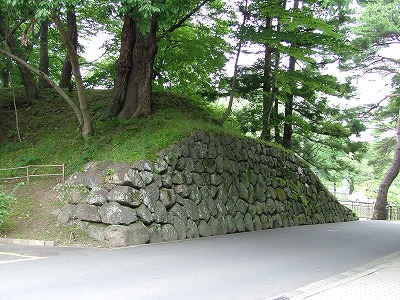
[
  {"x": 28, "y": 80},
  {"x": 134, "y": 74},
  {"x": 380, "y": 211},
  {"x": 123, "y": 65},
  {"x": 138, "y": 91},
  {"x": 351, "y": 185},
  {"x": 5, "y": 78},
  {"x": 72, "y": 31},
  {"x": 274, "y": 96},
  {"x": 288, "y": 124},
  {"x": 44, "y": 53},
  {"x": 266, "y": 88},
  {"x": 87, "y": 128}
]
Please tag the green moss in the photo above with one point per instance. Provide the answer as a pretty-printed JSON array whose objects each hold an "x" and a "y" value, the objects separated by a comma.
[
  {"x": 281, "y": 194},
  {"x": 304, "y": 200}
]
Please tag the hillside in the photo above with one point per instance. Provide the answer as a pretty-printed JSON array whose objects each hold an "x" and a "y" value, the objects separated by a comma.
[{"x": 49, "y": 135}]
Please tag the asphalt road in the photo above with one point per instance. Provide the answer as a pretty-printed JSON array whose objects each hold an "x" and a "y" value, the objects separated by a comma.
[{"x": 252, "y": 265}]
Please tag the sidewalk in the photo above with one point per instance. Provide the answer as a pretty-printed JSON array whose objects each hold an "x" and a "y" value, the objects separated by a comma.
[{"x": 379, "y": 279}]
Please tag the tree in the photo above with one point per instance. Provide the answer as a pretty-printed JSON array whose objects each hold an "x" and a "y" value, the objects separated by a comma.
[
  {"x": 379, "y": 27},
  {"x": 16, "y": 48},
  {"x": 380, "y": 211},
  {"x": 144, "y": 26},
  {"x": 297, "y": 43},
  {"x": 235, "y": 72},
  {"x": 43, "y": 10},
  {"x": 72, "y": 33},
  {"x": 44, "y": 53}
]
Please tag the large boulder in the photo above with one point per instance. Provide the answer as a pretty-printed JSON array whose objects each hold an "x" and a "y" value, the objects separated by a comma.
[{"x": 115, "y": 213}]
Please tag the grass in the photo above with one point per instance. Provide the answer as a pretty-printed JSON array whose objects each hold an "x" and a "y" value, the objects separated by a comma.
[{"x": 50, "y": 135}]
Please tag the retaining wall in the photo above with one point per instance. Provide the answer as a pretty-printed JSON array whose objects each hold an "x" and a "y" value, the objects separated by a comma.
[{"x": 207, "y": 184}]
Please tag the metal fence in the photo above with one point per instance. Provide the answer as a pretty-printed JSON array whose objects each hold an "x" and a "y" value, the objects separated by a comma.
[
  {"x": 32, "y": 171},
  {"x": 361, "y": 209},
  {"x": 393, "y": 212},
  {"x": 366, "y": 209}
]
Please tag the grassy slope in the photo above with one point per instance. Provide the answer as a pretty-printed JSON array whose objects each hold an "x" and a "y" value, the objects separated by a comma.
[{"x": 50, "y": 135}]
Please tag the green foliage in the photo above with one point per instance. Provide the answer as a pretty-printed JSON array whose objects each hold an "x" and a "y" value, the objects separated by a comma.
[
  {"x": 5, "y": 202},
  {"x": 50, "y": 135}
]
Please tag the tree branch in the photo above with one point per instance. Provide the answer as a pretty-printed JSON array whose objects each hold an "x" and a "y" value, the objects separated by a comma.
[
  {"x": 378, "y": 104},
  {"x": 183, "y": 20}
]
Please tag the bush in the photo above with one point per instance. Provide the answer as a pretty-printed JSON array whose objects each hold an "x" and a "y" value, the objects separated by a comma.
[{"x": 5, "y": 202}]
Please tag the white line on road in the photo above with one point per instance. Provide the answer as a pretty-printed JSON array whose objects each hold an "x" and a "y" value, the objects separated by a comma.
[{"x": 21, "y": 257}]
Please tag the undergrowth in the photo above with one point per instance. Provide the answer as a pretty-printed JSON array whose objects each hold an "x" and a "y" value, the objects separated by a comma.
[{"x": 50, "y": 134}]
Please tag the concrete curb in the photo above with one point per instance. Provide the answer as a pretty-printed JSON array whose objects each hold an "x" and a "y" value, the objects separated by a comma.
[
  {"x": 27, "y": 242},
  {"x": 338, "y": 280}
]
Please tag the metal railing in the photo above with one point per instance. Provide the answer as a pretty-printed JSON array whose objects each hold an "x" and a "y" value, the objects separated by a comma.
[
  {"x": 393, "y": 212},
  {"x": 361, "y": 209},
  {"x": 31, "y": 171},
  {"x": 366, "y": 209}
]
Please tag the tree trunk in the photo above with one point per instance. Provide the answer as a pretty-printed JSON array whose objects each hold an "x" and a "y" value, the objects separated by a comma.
[
  {"x": 138, "y": 92},
  {"x": 72, "y": 29},
  {"x": 235, "y": 71},
  {"x": 44, "y": 53},
  {"x": 274, "y": 96},
  {"x": 267, "y": 99},
  {"x": 277, "y": 129},
  {"x": 28, "y": 80},
  {"x": 123, "y": 66},
  {"x": 287, "y": 126},
  {"x": 87, "y": 128},
  {"x": 5, "y": 77},
  {"x": 380, "y": 211},
  {"x": 351, "y": 185}
]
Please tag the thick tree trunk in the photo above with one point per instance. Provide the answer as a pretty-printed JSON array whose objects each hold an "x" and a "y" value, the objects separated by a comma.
[
  {"x": 44, "y": 53},
  {"x": 123, "y": 66},
  {"x": 72, "y": 29},
  {"x": 267, "y": 99},
  {"x": 380, "y": 211},
  {"x": 28, "y": 80},
  {"x": 138, "y": 92}
]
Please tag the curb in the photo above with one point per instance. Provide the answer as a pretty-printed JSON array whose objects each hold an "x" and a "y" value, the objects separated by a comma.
[
  {"x": 27, "y": 242},
  {"x": 338, "y": 280}
]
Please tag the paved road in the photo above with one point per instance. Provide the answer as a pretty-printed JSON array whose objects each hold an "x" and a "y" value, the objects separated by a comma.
[{"x": 253, "y": 265}]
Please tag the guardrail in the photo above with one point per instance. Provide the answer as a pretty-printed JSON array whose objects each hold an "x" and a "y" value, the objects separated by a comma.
[{"x": 28, "y": 172}]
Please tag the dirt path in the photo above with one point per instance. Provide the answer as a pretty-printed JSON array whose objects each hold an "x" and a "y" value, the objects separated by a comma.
[{"x": 32, "y": 215}]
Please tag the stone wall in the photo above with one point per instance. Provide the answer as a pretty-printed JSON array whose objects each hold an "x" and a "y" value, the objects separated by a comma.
[{"x": 207, "y": 184}]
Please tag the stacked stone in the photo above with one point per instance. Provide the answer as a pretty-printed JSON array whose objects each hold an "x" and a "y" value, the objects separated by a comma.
[{"x": 207, "y": 184}]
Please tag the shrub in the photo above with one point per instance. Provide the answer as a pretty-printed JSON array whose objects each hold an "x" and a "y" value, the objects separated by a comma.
[{"x": 5, "y": 202}]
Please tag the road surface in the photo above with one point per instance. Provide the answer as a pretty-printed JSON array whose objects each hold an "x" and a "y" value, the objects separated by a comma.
[{"x": 251, "y": 265}]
